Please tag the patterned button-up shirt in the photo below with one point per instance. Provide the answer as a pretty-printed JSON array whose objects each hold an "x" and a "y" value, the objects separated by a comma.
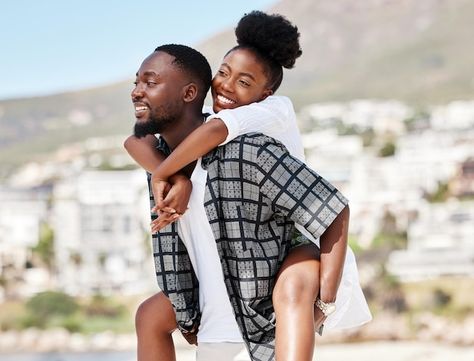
[{"x": 255, "y": 192}]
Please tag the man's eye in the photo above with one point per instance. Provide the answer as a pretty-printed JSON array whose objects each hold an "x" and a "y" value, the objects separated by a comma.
[
  {"x": 221, "y": 72},
  {"x": 150, "y": 83},
  {"x": 244, "y": 83}
]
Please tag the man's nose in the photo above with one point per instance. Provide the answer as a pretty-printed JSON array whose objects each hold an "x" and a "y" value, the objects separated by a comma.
[{"x": 137, "y": 92}]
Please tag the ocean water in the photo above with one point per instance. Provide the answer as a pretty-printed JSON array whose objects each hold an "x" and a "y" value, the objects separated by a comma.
[{"x": 80, "y": 356}]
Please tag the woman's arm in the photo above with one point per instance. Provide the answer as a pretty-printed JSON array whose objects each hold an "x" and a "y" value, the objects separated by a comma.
[
  {"x": 144, "y": 152},
  {"x": 268, "y": 116},
  {"x": 195, "y": 145},
  {"x": 333, "y": 255}
]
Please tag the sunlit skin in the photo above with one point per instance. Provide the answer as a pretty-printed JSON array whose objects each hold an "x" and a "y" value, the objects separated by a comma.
[
  {"x": 164, "y": 98},
  {"x": 153, "y": 89},
  {"x": 239, "y": 81}
]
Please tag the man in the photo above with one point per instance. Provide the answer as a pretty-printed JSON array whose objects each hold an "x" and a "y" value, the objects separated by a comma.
[{"x": 254, "y": 193}]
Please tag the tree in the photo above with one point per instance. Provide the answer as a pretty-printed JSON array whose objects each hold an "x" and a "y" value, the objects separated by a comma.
[
  {"x": 46, "y": 305},
  {"x": 45, "y": 247},
  {"x": 388, "y": 149}
]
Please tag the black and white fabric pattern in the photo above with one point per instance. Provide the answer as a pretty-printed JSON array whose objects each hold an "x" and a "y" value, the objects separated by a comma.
[{"x": 255, "y": 193}]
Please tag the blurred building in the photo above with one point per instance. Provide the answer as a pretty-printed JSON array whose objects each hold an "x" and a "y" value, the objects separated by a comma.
[
  {"x": 455, "y": 115},
  {"x": 101, "y": 223},
  {"x": 381, "y": 116},
  {"x": 462, "y": 184},
  {"x": 21, "y": 213},
  {"x": 440, "y": 243}
]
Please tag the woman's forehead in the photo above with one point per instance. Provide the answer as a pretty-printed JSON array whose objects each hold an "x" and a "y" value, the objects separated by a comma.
[{"x": 244, "y": 60}]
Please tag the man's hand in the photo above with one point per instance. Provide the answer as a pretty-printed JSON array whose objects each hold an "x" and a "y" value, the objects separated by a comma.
[
  {"x": 160, "y": 189},
  {"x": 172, "y": 196},
  {"x": 191, "y": 337},
  {"x": 171, "y": 200},
  {"x": 178, "y": 196}
]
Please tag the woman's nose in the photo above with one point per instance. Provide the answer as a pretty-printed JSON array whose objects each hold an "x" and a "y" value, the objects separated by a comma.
[{"x": 227, "y": 85}]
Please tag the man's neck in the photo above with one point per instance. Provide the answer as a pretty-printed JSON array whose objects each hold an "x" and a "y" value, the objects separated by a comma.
[{"x": 181, "y": 129}]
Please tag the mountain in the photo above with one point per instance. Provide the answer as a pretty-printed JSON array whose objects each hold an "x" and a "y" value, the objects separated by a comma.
[
  {"x": 33, "y": 126},
  {"x": 416, "y": 51}
]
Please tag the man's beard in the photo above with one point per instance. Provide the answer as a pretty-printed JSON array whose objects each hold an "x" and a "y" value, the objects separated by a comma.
[{"x": 155, "y": 124}]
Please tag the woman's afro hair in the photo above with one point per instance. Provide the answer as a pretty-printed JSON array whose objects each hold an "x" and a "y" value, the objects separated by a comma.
[{"x": 272, "y": 35}]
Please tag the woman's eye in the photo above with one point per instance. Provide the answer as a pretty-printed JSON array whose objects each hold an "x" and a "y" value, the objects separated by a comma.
[
  {"x": 244, "y": 83},
  {"x": 221, "y": 72}
]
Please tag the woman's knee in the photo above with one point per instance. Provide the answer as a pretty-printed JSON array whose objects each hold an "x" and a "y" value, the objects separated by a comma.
[
  {"x": 298, "y": 280},
  {"x": 296, "y": 288},
  {"x": 155, "y": 314}
]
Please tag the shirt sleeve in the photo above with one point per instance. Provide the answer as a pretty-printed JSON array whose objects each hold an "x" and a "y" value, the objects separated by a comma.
[
  {"x": 273, "y": 114},
  {"x": 297, "y": 191}
]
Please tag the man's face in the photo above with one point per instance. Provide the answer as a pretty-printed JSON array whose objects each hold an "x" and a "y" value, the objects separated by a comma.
[{"x": 157, "y": 95}]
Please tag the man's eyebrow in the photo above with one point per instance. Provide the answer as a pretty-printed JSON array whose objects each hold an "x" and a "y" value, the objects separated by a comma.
[
  {"x": 148, "y": 73},
  {"x": 151, "y": 73}
]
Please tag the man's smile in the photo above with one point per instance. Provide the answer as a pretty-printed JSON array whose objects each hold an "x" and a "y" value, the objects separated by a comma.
[{"x": 140, "y": 109}]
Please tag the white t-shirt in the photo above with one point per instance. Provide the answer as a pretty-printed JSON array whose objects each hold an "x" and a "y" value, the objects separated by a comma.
[
  {"x": 276, "y": 118},
  {"x": 218, "y": 323}
]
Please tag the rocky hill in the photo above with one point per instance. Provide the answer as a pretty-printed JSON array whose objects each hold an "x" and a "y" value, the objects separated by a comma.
[{"x": 416, "y": 51}]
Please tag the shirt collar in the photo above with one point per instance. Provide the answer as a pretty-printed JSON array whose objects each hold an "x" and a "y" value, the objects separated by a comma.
[{"x": 163, "y": 146}]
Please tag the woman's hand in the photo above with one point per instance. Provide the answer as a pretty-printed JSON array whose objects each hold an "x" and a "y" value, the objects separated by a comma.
[{"x": 319, "y": 319}]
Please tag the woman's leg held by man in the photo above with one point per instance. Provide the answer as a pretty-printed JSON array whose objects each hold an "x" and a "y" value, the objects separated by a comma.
[
  {"x": 155, "y": 321},
  {"x": 295, "y": 292}
]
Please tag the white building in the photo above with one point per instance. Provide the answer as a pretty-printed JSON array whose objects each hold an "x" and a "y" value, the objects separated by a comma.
[
  {"x": 21, "y": 213},
  {"x": 455, "y": 115},
  {"x": 101, "y": 222},
  {"x": 381, "y": 116},
  {"x": 440, "y": 243}
]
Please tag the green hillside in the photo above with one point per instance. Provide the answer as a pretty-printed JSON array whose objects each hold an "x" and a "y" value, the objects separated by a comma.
[{"x": 416, "y": 51}]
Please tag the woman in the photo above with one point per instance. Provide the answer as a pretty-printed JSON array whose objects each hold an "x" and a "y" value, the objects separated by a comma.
[{"x": 250, "y": 72}]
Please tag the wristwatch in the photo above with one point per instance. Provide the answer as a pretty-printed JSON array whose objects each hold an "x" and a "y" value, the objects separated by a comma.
[{"x": 326, "y": 308}]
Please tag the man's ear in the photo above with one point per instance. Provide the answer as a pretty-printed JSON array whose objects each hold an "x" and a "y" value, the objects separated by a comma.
[
  {"x": 266, "y": 93},
  {"x": 190, "y": 92}
]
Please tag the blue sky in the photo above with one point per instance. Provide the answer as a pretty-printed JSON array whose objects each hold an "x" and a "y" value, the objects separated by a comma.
[{"x": 51, "y": 46}]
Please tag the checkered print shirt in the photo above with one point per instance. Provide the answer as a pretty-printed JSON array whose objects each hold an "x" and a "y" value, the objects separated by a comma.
[{"x": 255, "y": 192}]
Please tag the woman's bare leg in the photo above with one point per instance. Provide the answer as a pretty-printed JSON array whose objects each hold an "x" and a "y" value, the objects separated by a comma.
[
  {"x": 155, "y": 321},
  {"x": 295, "y": 292}
]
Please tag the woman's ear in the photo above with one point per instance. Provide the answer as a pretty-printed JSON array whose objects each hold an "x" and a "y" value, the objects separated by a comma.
[
  {"x": 190, "y": 92},
  {"x": 266, "y": 93}
]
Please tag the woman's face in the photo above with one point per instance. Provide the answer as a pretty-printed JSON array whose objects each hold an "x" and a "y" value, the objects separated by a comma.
[{"x": 239, "y": 81}]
